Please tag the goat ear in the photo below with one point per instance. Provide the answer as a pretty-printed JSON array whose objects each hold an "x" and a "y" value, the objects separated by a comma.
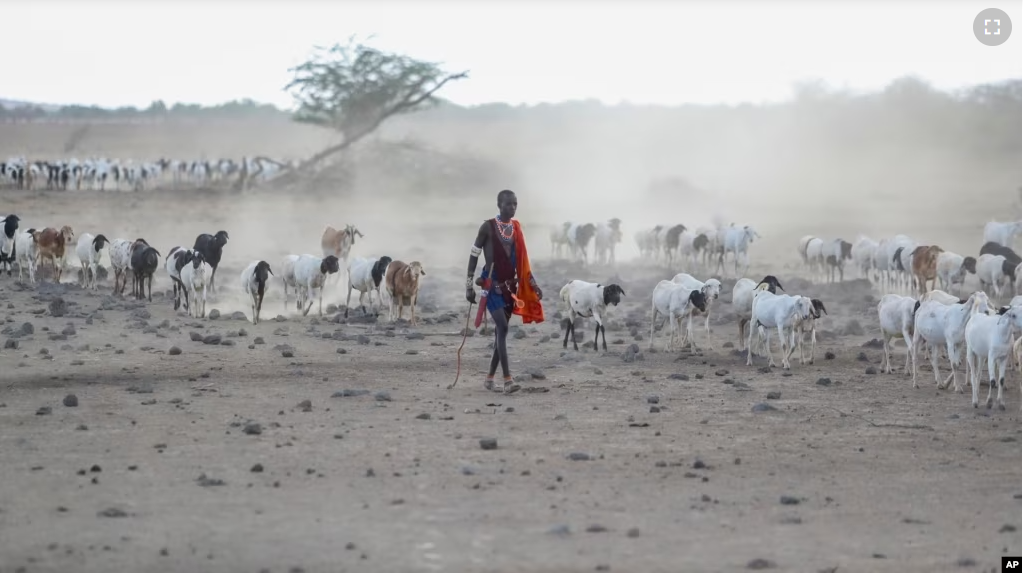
[{"x": 422, "y": 271}]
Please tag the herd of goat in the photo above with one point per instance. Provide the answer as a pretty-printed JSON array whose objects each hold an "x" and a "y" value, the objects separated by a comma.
[
  {"x": 112, "y": 174},
  {"x": 929, "y": 321}
]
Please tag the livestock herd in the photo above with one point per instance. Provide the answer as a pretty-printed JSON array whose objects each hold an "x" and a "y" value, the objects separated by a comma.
[
  {"x": 114, "y": 175},
  {"x": 929, "y": 321}
]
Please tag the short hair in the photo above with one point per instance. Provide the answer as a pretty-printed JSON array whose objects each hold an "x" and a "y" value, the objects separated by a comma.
[{"x": 504, "y": 193}]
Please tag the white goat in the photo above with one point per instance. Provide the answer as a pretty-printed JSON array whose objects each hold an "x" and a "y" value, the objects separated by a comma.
[
  {"x": 781, "y": 312},
  {"x": 288, "y": 278},
  {"x": 90, "y": 251},
  {"x": 991, "y": 337},
  {"x": 994, "y": 272},
  {"x": 742, "y": 301},
  {"x": 586, "y": 299},
  {"x": 675, "y": 302},
  {"x": 255, "y": 278},
  {"x": 809, "y": 325},
  {"x": 26, "y": 253},
  {"x": 711, "y": 289},
  {"x": 609, "y": 234},
  {"x": 863, "y": 257},
  {"x": 736, "y": 242},
  {"x": 194, "y": 276},
  {"x": 936, "y": 323},
  {"x": 310, "y": 272},
  {"x": 7, "y": 237},
  {"x": 366, "y": 275},
  {"x": 896, "y": 316},
  {"x": 952, "y": 269},
  {"x": 1002, "y": 233}
]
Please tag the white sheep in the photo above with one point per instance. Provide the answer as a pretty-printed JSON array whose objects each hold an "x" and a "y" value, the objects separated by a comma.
[
  {"x": 711, "y": 289},
  {"x": 863, "y": 257},
  {"x": 7, "y": 238},
  {"x": 675, "y": 302},
  {"x": 896, "y": 316},
  {"x": 736, "y": 241},
  {"x": 952, "y": 269},
  {"x": 780, "y": 312},
  {"x": 609, "y": 234},
  {"x": 366, "y": 275},
  {"x": 310, "y": 273},
  {"x": 176, "y": 260},
  {"x": 742, "y": 301},
  {"x": 26, "y": 253},
  {"x": 90, "y": 252},
  {"x": 195, "y": 276},
  {"x": 806, "y": 325},
  {"x": 1002, "y": 233},
  {"x": 991, "y": 337},
  {"x": 288, "y": 278},
  {"x": 254, "y": 280},
  {"x": 994, "y": 272},
  {"x": 586, "y": 299},
  {"x": 935, "y": 324}
]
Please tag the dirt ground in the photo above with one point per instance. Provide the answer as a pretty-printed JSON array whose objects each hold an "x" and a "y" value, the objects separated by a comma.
[{"x": 610, "y": 460}]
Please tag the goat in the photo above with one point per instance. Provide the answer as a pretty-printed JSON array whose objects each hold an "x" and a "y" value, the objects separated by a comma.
[
  {"x": 90, "y": 251},
  {"x": 254, "y": 279},
  {"x": 609, "y": 234},
  {"x": 992, "y": 248},
  {"x": 675, "y": 302},
  {"x": 935, "y": 323},
  {"x": 366, "y": 275},
  {"x": 339, "y": 243},
  {"x": 193, "y": 277},
  {"x": 994, "y": 272},
  {"x": 896, "y": 315},
  {"x": 742, "y": 300},
  {"x": 559, "y": 239},
  {"x": 991, "y": 337},
  {"x": 670, "y": 241},
  {"x": 736, "y": 241},
  {"x": 212, "y": 248},
  {"x": 120, "y": 261},
  {"x": 7, "y": 249},
  {"x": 925, "y": 265},
  {"x": 781, "y": 312},
  {"x": 403, "y": 282},
  {"x": 144, "y": 261},
  {"x": 836, "y": 254},
  {"x": 862, "y": 255},
  {"x": 288, "y": 279},
  {"x": 809, "y": 324},
  {"x": 26, "y": 253},
  {"x": 177, "y": 258},
  {"x": 586, "y": 299},
  {"x": 311, "y": 273},
  {"x": 579, "y": 239},
  {"x": 1002, "y": 234},
  {"x": 711, "y": 289},
  {"x": 952, "y": 269},
  {"x": 51, "y": 245}
]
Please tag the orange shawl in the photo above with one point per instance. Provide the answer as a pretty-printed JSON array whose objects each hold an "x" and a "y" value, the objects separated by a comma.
[{"x": 532, "y": 310}]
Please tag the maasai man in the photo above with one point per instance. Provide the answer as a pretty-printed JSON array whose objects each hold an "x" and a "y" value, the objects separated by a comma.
[{"x": 513, "y": 289}]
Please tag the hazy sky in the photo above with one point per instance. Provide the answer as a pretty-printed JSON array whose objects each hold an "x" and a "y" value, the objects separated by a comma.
[{"x": 113, "y": 53}]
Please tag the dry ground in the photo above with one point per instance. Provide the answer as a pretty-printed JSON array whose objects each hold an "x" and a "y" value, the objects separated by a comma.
[{"x": 154, "y": 470}]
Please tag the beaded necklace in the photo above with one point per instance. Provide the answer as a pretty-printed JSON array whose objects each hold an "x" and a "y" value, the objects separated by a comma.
[{"x": 504, "y": 230}]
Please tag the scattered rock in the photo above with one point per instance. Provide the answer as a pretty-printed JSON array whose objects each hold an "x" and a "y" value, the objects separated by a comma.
[
  {"x": 788, "y": 500},
  {"x": 253, "y": 428},
  {"x": 256, "y": 468},
  {"x": 211, "y": 340},
  {"x": 773, "y": 395},
  {"x": 678, "y": 377},
  {"x": 423, "y": 416},
  {"x": 175, "y": 350},
  {"x": 214, "y": 314},
  {"x": 306, "y": 406},
  {"x": 653, "y": 399},
  {"x": 829, "y": 356},
  {"x": 488, "y": 443},
  {"x": 112, "y": 512},
  {"x": 760, "y": 564},
  {"x": 71, "y": 401},
  {"x": 44, "y": 411},
  {"x": 762, "y": 407},
  {"x": 349, "y": 393},
  {"x": 632, "y": 533},
  {"x": 594, "y": 528},
  {"x": 871, "y": 370},
  {"x": 824, "y": 381},
  {"x": 58, "y": 307},
  {"x": 578, "y": 456},
  {"x": 383, "y": 396}
]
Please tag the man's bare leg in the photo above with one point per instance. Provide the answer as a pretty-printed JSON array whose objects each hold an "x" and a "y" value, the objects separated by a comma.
[{"x": 501, "y": 351}]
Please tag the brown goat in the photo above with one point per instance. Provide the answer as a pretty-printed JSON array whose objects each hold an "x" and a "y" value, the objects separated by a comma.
[
  {"x": 925, "y": 266},
  {"x": 402, "y": 280},
  {"x": 339, "y": 244},
  {"x": 52, "y": 245}
]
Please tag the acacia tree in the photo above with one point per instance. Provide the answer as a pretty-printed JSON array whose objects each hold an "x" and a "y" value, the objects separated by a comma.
[{"x": 353, "y": 88}]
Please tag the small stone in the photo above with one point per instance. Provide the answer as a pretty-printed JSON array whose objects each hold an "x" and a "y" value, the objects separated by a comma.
[
  {"x": 773, "y": 395},
  {"x": 762, "y": 407},
  {"x": 214, "y": 314},
  {"x": 655, "y": 409},
  {"x": 788, "y": 500},
  {"x": 596, "y": 528},
  {"x": 253, "y": 428},
  {"x": 71, "y": 401},
  {"x": 257, "y": 468},
  {"x": 488, "y": 443},
  {"x": 383, "y": 396},
  {"x": 44, "y": 411},
  {"x": 871, "y": 370},
  {"x": 824, "y": 381},
  {"x": 679, "y": 377},
  {"x": 95, "y": 468},
  {"x": 760, "y": 564},
  {"x": 197, "y": 337},
  {"x": 721, "y": 372},
  {"x": 342, "y": 351},
  {"x": 174, "y": 350},
  {"x": 306, "y": 406},
  {"x": 578, "y": 456},
  {"x": 653, "y": 399},
  {"x": 258, "y": 341},
  {"x": 287, "y": 353},
  {"x": 632, "y": 533},
  {"x": 699, "y": 464},
  {"x": 423, "y": 416},
  {"x": 211, "y": 340},
  {"x": 112, "y": 512},
  {"x": 828, "y": 356}
]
